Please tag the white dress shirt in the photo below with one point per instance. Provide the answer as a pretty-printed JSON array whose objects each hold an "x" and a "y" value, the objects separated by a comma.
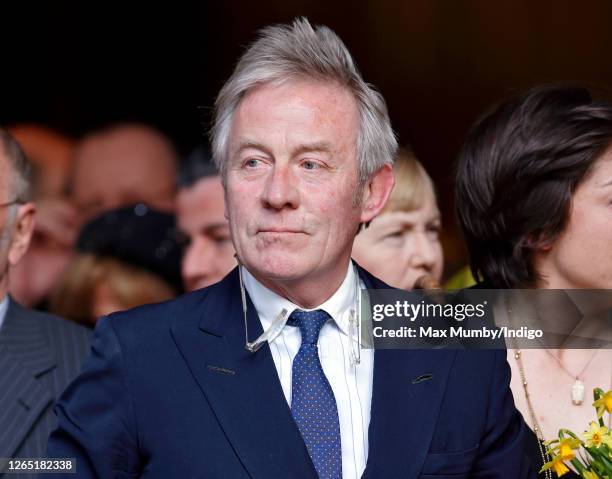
[
  {"x": 3, "y": 309},
  {"x": 351, "y": 384}
]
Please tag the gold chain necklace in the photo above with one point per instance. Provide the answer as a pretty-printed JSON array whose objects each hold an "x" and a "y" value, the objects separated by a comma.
[
  {"x": 534, "y": 420},
  {"x": 536, "y": 425}
]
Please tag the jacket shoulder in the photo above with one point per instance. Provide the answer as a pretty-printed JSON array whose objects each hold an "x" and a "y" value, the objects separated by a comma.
[{"x": 147, "y": 322}]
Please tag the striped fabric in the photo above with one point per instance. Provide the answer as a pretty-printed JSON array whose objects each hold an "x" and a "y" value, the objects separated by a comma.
[{"x": 39, "y": 355}]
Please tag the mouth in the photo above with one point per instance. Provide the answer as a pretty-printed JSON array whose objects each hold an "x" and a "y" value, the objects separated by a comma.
[{"x": 279, "y": 231}]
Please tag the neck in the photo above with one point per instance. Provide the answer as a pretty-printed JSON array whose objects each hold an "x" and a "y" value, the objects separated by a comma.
[{"x": 308, "y": 292}]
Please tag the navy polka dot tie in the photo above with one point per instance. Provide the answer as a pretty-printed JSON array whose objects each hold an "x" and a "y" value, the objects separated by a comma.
[{"x": 313, "y": 404}]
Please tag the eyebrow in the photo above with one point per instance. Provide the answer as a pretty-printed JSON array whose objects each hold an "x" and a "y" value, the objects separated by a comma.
[
  {"x": 247, "y": 144},
  {"x": 321, "y": 146},
  {"x": 214, "y": 227},
  {"x": 207, "y": 229}
]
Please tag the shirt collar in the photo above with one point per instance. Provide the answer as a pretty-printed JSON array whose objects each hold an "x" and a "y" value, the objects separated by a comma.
[
  {"x": 269, "y": 304},
  {"x": 4, "y": 304}
]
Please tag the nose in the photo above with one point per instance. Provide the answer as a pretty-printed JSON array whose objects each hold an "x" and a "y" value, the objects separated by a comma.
[
  {"x": 423, "y": 251},
  {"x": 280, "y": 190},
  {"x": 198, "y": 266}
]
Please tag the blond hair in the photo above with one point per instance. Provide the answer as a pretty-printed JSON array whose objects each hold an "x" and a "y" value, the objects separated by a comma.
[
  {"x": 412, "y": 183},
  {"x": 73, "y": 298}
]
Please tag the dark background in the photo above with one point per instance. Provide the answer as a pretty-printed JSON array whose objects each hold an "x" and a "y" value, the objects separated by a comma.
[{"x": 439, "y": 63}]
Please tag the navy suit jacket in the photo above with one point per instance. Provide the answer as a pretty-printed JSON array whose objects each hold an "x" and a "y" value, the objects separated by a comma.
[{"x": 170, "y": 391}]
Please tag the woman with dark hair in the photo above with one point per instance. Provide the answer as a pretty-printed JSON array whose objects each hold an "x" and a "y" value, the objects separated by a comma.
[{"x": 534, "y": 199}]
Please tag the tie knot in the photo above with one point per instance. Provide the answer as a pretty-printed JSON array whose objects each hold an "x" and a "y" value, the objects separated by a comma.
[{"x": 309, "y": 322}]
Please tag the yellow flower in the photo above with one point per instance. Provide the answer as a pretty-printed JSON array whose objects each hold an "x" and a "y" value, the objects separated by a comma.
[
  {"x": 589, "y": 475},
  {"x": 566, "y": 447},
  {"x": 557, "y": 465},
  {"x": 604, "y": 403},
  {"x": 596, "y": 435}
]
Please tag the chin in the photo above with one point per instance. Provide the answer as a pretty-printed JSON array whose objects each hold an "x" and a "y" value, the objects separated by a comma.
[{"x": 285, "y": 268}]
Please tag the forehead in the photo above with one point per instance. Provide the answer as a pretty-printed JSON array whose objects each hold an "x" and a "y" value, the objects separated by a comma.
[
  {"x": 131, "y": 151},
  {"x": 122, "y": 163},
  {"x": 201, "y": 202},
  {"x": 296, "y": 111},
  {"x": 599, "y": 176},
  {"x": 428, "y": 211}
]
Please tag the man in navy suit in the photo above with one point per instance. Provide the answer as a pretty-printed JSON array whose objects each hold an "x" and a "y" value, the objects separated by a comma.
[{"x": 305, "y": 149}]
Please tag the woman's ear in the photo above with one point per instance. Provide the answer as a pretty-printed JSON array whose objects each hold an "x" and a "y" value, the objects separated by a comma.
[
  {"x": 376, "y": 193},
  {"x": 538, "y": 242}
]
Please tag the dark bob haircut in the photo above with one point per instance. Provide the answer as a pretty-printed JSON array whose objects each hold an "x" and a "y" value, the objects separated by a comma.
[{"x": 517, "y": 172}]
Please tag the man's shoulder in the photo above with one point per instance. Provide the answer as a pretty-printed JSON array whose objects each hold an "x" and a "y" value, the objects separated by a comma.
[
  {"x": 148, "y": 321},
  {"x": 28, "y": 332},
  {"x": 52, "y": 326}
]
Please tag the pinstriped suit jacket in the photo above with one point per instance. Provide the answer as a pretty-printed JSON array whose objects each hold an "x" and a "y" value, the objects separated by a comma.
[{"x": 39, "y": 355}]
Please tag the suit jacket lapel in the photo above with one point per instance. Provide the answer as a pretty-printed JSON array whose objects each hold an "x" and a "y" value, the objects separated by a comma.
[
  {"x": 24, "y": 359},
  {"x": 242, "y": 388},
  {"x": 404, "y": 409},
  {"x": 407, "y": 391}
]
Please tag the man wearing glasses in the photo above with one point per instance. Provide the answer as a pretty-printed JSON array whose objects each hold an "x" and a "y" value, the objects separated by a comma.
[{"x": 39, "y": 353}]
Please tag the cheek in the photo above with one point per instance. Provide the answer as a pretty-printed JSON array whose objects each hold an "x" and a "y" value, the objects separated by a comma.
[
  {"x": 236, "y": 205},
  {"x": 439, "y": 263}
]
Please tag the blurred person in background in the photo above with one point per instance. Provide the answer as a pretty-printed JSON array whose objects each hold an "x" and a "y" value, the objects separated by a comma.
[
  {"x": 534, "y": 196},
  {"x": 50, "y": 154},
  {"x": 39, "y": 353},
  {"x": 402, "y": 244},
  {"x": 123, "y": 164},
  {"x": 125, "y": 258},
  {"x": 208, "y": 252}
]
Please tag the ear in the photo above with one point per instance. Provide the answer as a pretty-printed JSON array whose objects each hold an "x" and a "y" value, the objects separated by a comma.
[
  {"x": 539, "y": 243},
  {"x": 376, "y": 193},
  {"x": 22, "y": 232}
]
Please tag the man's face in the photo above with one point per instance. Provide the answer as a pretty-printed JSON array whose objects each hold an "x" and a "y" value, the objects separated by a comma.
[
  {"x": 16, "y": 225},
  {"x": 5, "y": 233},
  {"x": 124, "y": 166},
  {"x": 291, "y": 181},
  {"x": 209, "y": 254},
  {"x": 581, "y": 257}
]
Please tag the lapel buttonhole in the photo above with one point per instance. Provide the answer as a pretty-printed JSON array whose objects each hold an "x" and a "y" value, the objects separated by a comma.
[
  {"x": 219, "y": 369},
  {"x": 422, "y": 378}
]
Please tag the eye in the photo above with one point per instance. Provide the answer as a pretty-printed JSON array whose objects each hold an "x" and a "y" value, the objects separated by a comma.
[
  {"x": 394, "y": 238},
  {"x": 310, "y": 165},
  {"x": 221, "y": 239},
  {"x": 433, "y": 230},
  {"x": 251, "y": 163}
]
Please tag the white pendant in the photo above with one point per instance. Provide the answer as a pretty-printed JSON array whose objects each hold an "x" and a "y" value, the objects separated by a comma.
[{"x": 577, "y": 392}]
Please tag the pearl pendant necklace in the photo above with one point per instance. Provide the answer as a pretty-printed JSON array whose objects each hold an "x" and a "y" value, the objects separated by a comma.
[
  {"x": 577, "y": 389},
  {"x": 577, "y": 392}
]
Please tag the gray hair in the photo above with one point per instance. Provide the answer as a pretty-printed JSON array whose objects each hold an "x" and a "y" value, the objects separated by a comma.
[
  {"x": 284, "y": 52},
  {"x": 19, "y": 186}
]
